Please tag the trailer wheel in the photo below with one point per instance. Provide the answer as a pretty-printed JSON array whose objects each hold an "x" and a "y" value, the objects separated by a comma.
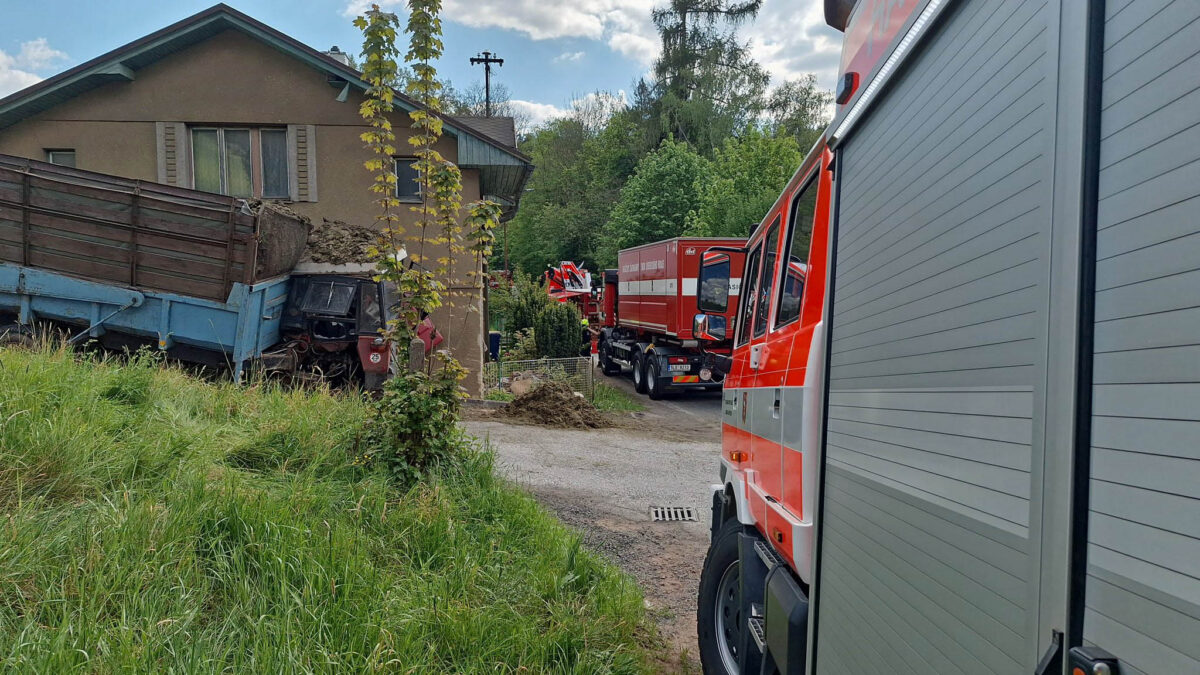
[
  {"x": 719, "y": 620},
  {"x": 15, "y": 335},
  {"x": 654, "y": 388},
  {"x": 606, "y": 363},
  {"x": 639, "y": 374}
]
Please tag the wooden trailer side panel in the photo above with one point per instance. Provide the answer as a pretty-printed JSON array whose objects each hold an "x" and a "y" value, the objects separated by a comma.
[{"x": 131, "y": 233}]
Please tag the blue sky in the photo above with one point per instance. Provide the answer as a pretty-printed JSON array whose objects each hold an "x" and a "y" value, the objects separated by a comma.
[{"x": 554, "y": 50}]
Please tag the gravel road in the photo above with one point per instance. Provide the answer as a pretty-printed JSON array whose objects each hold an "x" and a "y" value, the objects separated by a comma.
[{"x": 604, "y": 482}]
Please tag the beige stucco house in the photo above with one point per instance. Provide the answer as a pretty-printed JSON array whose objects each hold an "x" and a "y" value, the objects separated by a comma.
[{"x": 222, "y": 102}]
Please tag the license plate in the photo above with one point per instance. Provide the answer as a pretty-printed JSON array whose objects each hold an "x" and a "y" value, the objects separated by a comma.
[{"x": 680, "y": 367}]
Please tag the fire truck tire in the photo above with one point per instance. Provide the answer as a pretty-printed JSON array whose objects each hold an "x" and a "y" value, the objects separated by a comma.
[
  {"x": 607, "y": 366},
  {"x": 654, "y": 386},
  {"x": 719, "y": 621},
  {"x": 639, "y": 374}
]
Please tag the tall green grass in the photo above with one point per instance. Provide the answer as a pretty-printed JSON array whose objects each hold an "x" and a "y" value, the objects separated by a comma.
[
  {"x": 611, "y": 399},
  {"x": 150, "y": 522}
]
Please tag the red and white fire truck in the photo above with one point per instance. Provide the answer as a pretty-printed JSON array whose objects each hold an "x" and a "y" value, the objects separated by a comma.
[
  {"x": 570, "y": 282},
  {"x": 961, "y": 419},
  {"x": 649, "y": 304}
]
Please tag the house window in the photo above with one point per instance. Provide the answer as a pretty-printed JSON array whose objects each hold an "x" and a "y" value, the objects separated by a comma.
[
  {"x": 275, "y": 184},
  {"x": 241, "y": 162},
  {"x": 61, "y": 157},
  {"x": 407, "y": 187}
]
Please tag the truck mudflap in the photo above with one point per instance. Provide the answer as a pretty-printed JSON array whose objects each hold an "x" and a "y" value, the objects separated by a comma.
[{"x": 786, "y": 623}]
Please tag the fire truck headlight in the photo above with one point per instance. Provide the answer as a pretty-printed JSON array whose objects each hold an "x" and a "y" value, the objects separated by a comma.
[{"x": 705, "y": 374}]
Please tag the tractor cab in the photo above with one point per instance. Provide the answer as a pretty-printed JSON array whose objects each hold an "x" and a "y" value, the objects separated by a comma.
[{"x": 332, "y": 327}]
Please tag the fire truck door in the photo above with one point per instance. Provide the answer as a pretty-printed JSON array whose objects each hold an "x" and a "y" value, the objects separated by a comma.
[{"x": 768, "y": 360}]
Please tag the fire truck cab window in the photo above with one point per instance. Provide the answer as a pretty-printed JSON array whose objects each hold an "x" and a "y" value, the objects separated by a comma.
[
  {"x": 714, "y": 287},
  {"x": 748, "y": 296},
  {"x": 767, "y": 284},
  {"x": 799, "y": 234}
]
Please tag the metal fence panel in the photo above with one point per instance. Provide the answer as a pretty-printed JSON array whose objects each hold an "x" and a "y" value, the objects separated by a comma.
[{"x": 576, "y": 372}]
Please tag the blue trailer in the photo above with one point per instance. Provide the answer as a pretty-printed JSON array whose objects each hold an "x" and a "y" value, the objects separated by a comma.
[
  {"x": 205, "y": 278},
  {"x": 239, "y": 329}
]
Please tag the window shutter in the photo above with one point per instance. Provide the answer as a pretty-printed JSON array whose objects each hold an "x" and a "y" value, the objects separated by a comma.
[
  {"x": 302, "y": 170},
  {"x": 174, "y": 154}
]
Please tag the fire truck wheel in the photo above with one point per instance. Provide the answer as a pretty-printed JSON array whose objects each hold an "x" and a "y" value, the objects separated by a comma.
[
  {"x": 654, "y": 387},
  {"x": 639, "y": 374},
  {"x": 719, "y": 621},
  {"x": 606, "y": 363}
]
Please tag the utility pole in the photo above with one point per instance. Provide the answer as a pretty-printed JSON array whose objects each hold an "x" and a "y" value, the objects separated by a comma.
[{"x": 487, "y": 59}]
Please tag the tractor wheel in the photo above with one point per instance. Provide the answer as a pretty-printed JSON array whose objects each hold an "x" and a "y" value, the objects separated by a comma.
[
  {"x": 639, "y": 374},
  {"x": 654, "y": 386},
  {"x": 719, "y": 617},
  {"x": 607, "y": 366}
]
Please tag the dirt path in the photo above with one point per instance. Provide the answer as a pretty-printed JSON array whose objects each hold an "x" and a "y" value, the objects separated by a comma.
[{"x": 604, "y": 482}]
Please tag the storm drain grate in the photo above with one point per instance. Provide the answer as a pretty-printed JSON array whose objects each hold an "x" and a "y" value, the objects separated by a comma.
[{"x": 671, "y": 513}]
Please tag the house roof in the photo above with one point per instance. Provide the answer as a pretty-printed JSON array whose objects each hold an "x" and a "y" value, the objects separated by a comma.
[
  {"x": 503, "y": 168},
  {"x": 502, "y": 129}
]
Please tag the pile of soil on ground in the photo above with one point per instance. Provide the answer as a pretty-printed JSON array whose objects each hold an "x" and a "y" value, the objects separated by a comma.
[
  {"x": 553, "y": 404},
  {"x": 338, "y": 243}
]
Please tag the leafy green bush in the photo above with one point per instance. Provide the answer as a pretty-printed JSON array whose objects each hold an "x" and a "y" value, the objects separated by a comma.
[
  {"x": 515, "y": 306},
  {"x": 557, "y": 331},
  {"x": 524, "y": 347},
  {"x": 415, "y": 426}
]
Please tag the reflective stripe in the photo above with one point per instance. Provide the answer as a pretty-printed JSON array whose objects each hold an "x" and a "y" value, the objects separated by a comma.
[{"x": 649, "y": 287}]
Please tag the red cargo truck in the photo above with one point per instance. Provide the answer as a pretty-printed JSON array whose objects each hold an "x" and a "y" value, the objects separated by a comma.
[{"x": 649, "y": 307}]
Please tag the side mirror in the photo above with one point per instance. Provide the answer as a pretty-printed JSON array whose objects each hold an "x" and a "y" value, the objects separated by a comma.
[
  {"x": 710, "y": 327},
  {"x": 712, "y": 295}
]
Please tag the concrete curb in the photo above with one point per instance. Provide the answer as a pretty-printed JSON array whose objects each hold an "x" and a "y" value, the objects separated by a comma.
[{"x": 484, "y": 403}]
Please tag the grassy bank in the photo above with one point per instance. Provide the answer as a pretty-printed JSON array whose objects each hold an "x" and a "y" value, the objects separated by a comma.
[{"x": 151, "y": 522}]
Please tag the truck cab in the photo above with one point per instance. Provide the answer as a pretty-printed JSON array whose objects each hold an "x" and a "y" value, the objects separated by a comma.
[{"x": 763, "y": 508}]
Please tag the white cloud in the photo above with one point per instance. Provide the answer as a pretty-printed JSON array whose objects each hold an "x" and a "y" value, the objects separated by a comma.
[
  {"x": 537, "y": 114},
  {"x": 571, "y": 57},
  {"x": 38, "y": 54},
  {"x": 640, "y": 48},
  {"x": 624, "y": 25},
  {"x": 788, "y": 38},
  {"x": 23, "y": 69},
  {"x": 790, "y": 42}
]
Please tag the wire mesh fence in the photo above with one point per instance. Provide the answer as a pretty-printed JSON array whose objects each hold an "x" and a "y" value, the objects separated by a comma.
[{"x": 506, "y": 376}]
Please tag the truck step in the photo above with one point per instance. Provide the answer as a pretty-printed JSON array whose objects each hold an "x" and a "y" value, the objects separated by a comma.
[
  {"x": 768, "y": 555},
  {"x": 758, "y": 631}
]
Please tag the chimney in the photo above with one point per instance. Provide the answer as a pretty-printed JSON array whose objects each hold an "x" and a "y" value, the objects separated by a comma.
[{"x": 338, "y": 55}]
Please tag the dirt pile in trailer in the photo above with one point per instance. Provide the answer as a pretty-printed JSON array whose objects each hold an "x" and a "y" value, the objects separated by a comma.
[
  {"x": 338, "y": 243},
  {"x": 554, "y": 404}
]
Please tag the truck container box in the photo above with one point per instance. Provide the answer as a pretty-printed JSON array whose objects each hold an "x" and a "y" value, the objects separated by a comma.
[{"x": 657, "y": 284}]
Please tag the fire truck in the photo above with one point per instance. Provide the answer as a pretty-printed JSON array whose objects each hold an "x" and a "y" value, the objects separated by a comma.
[
  {"x": 570, "y": 282},
  {"x": 965, "y": 438},
  {"x": 649, "y": 304}
]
